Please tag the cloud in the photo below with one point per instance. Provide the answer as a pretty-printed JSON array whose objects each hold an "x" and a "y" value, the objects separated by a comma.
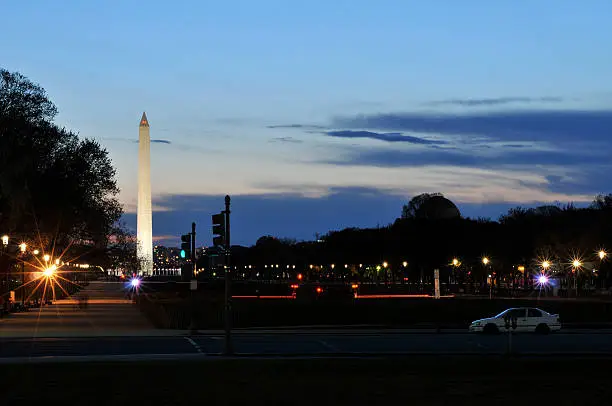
[
  {"x": 298, "y": 126},
  {"x": 162, "y": 238},
  {"x": 536, "y": 125},
  {"x": 388, "y": 137},
  {"x": 282, "y": 215},
  {"x": 168, "y": 142},
  {"x": 489, "y": 158},
  {"x": 293, "y": 215},
  {"x": 286, "y": 139},
  {"x": 495, "y": 101}
]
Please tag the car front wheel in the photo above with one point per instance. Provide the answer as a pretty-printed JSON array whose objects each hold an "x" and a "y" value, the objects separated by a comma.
[{"x": 490, "y": 329}]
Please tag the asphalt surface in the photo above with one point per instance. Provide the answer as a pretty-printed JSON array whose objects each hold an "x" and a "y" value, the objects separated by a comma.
[{"x": 309, "y": 344}]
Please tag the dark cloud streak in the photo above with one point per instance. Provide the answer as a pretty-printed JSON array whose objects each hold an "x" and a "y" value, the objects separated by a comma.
[
  {"x": 544, "y": 125},
  {"x": 298, "y": 126},
  {"x": 293, "y": 216},
  {"x": 287, "y": 139},
  {"x": 388, "y": 137},
  {"x": 494, "y": 101}
]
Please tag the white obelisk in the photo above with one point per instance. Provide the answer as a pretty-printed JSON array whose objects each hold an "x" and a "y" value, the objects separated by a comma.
[{"x": 144, "y": 232}]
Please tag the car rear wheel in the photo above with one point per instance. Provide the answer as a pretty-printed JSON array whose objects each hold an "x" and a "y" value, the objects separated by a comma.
[
  {"x": 490, "y": 329},
  {"x": 542, "y": 329}
]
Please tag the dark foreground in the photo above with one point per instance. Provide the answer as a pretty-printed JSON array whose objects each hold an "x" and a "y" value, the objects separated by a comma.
[
  {"x": 393, "y": 381},
  {"x": 308, "y": 343}
]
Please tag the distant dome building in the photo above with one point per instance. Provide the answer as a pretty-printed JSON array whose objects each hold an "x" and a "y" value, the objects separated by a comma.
[{"x": 438, "y": 208}]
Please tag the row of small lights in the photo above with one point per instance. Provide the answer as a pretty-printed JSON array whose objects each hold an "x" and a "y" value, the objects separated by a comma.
[
  {"x": 49, "y": 271},
  {"x": 576, "y": 263},
  {"x": 545, "y": 264},
  {"x": 332, "y": 266}
]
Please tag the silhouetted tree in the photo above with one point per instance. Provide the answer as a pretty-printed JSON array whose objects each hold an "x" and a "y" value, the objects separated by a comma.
[
  {"x": 52, "y": 182},
  {"x": 411, "y": 209}
]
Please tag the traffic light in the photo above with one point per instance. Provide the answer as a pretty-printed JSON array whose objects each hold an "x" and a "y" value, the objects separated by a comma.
[
  {"x": 186, "y": 246},
  {"x": 218, "y": 228}
]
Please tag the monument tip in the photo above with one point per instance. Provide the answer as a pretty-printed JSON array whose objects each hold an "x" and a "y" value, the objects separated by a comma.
[{"x": 143, "y": 121}]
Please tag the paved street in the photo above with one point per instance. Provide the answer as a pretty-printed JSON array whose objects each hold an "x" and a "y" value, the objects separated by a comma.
[{"x": 309, "y": 344}]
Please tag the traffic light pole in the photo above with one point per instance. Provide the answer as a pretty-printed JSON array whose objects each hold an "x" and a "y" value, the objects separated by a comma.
[
  {"x": 193, "y": 250},
  {"x": 228, "y": 281}
]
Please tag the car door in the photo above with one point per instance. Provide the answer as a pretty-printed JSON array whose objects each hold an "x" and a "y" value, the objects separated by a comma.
[
  {"x": 534, "y": 317},
  {"x": 521, "y": 319}
]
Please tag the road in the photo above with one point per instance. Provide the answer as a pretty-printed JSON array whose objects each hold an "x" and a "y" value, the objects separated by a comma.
[{"x": 300, "y": 343}]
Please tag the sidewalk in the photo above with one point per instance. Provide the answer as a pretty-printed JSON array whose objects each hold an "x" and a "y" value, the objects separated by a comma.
[{"x": 108, "y": 314}]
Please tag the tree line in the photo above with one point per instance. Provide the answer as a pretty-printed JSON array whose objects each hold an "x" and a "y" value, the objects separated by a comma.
[{"x": 424, "y": 238}]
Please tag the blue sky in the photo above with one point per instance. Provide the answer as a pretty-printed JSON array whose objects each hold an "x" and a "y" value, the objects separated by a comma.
[{"x": 318, "y": 115}]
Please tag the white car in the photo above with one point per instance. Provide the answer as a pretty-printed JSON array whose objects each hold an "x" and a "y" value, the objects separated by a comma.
[{"x": 528, "y": 319}]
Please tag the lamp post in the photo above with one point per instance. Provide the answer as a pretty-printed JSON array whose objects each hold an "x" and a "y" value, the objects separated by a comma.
[
  {"x": 455, "y": 263},
  {"x": 22, "y": 248},
  {"x": 602, "y": 256},
  {"x": 5, "y": 242},
  {"x": 485, "y": 262},
  {"x": 385, "y": 265},
  {"x": 576, "y": 264}
]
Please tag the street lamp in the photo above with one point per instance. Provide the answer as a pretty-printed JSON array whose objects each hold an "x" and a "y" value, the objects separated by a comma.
[
  {"x": 48, "y": 272},
  {"x": 46, "y": 257},
  {"x": 602, "y": 254},
  {"x": 455, "y": 263},
  {"x": 23, "y": 247},
  {"x": 545, "y": 265},
  {"x": 5, "y": 241},
  {"x": 485, "y": 261},
  {"x": 576, "y": 264}
]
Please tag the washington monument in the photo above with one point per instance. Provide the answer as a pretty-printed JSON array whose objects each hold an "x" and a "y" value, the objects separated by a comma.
[{"x": 144, "y": 232}]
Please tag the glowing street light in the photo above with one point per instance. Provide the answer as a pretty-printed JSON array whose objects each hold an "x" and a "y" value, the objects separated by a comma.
[
  {"x": 543, "y": 279},
  {"x": 545, "y": 264},
  {"x": 385, "y": 264},
  {"x": 456, "y": 261},
  {"x": 404, "y": 264},
  {"x": 48, "y": 272},
  {"x": 47, "y": 257},
  {"x": 485, "y": 260},
  {"x": 602, "y": 254},
  {"x": 23, "y": 247},
  {"x": 5, "y": 240},
  {"x": 575, "y": 265},
  {"x": 36, "y": 252}
]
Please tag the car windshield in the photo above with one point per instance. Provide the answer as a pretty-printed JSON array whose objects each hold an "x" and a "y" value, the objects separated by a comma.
[{"x": 502, "y": 313}]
